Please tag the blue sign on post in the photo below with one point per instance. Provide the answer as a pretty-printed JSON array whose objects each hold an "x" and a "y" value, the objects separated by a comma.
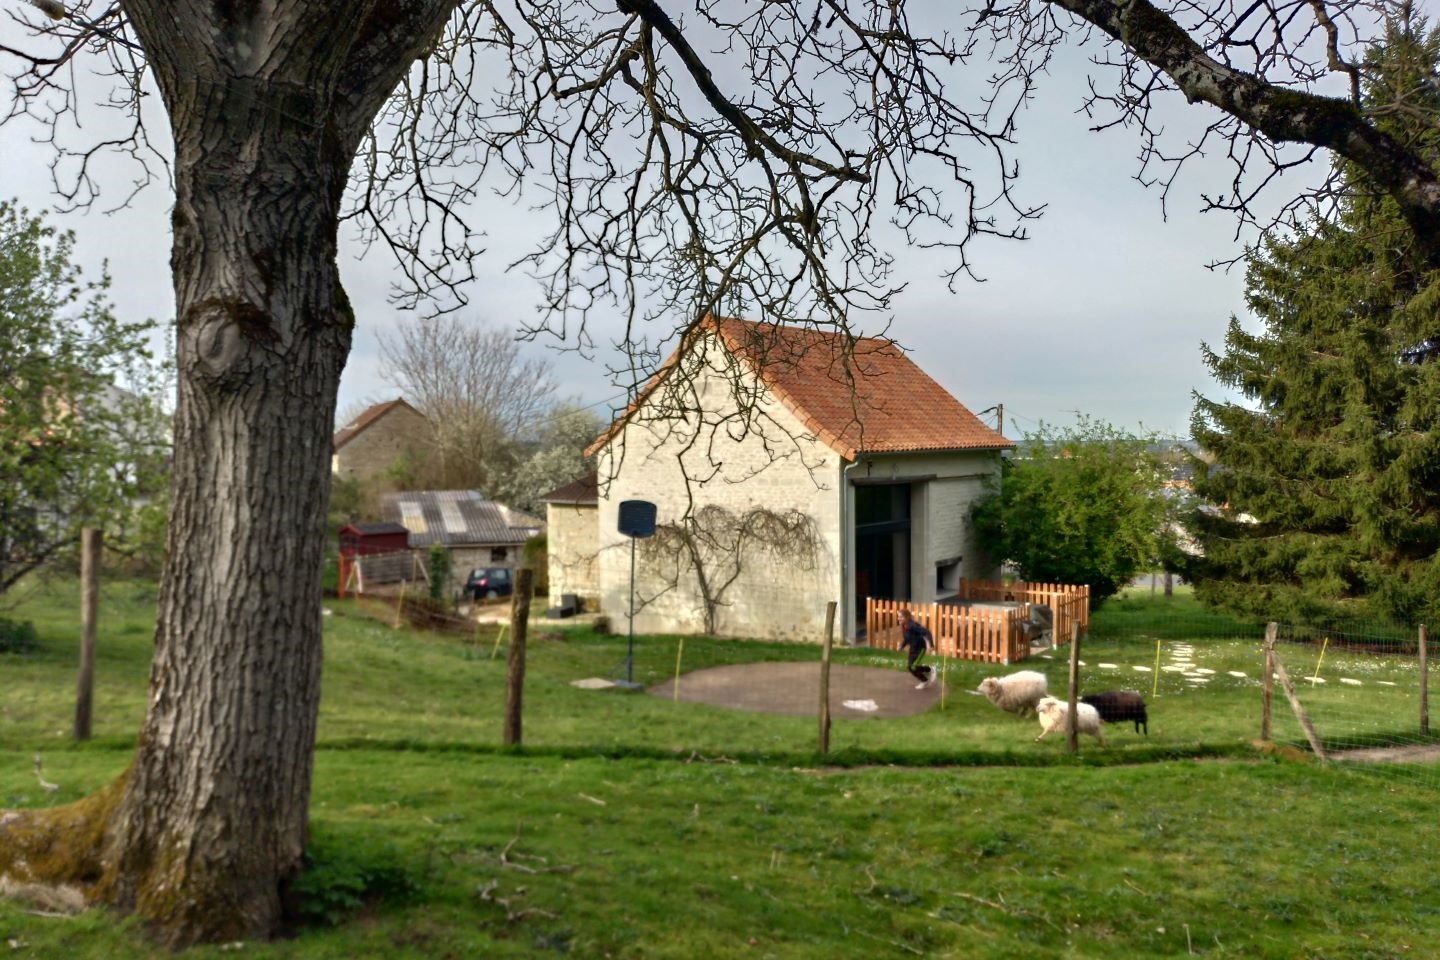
[
  {"x": 637, "y": 518},
  {"x": 637, "y": 521}
]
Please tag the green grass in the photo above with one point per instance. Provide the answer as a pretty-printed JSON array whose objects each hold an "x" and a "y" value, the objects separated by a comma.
[
  {"x": 624, "y": 828},
  {"x": 1135, "y": 612}
]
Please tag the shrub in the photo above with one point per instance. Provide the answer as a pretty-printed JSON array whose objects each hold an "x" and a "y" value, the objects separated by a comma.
[
  {"x": 438, "y": 563},
  {"x": 340, "y": 878},
  {"x": 17, "y": 636}
]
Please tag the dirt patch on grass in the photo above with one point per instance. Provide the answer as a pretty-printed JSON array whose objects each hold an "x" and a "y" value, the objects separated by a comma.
[
  {"x": 794, "y": 688},
  {"x": 1412, "y": 753}
]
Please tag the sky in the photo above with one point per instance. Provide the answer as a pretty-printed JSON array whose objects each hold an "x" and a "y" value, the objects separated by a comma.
[{"x": 1100, "y": 311}]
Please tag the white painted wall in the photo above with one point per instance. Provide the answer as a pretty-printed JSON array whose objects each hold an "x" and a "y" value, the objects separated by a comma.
[
  {"x": 767, "y": 459},
  {"x": 573, "y": 550}
]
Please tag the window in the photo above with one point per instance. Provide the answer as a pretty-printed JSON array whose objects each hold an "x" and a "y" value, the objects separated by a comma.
[
  {"x": 497, "y": 554},
  {"x": 947, "y": 576}
]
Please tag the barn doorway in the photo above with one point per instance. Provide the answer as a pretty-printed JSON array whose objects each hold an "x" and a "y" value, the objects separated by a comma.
[{"x": 882, "y": 542}]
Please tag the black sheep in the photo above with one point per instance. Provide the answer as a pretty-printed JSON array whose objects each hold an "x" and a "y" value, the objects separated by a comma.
[{"x": 1115, "y": 706}]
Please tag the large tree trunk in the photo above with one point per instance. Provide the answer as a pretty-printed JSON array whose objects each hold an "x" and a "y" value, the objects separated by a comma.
[
  {"x": 213, "y": 817},
  {"x": 267, "y": 105},
  {"x": 212, "y": 820}
]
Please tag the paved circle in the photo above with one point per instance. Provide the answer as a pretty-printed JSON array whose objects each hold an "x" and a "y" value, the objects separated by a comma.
[{"x": 794, "y": 688}]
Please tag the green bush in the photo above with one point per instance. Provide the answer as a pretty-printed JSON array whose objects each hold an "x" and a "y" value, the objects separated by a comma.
[
  {"x": 341, "y": 877},
  {"x": 438, "y": 563},
  {"x": 17, "y": 636}
]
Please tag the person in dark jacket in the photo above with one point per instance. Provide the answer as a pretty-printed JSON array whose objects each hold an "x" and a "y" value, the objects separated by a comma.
[{"x": 916, "y": 640}]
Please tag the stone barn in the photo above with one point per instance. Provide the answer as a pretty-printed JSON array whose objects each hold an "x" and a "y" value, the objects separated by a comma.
[
  {"x": 371, "y": 443},
  {"x": 790, "y": 467},
  {"x": 476, "y": 531},
  {"x": 573, "y": 540}
]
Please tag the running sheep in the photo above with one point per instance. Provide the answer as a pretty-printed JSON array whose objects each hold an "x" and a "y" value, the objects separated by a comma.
[
  {"x": 1053, "y": 713},
  {"x": 1117, "y": 706},
  {"x": 1016, "y": 693}
]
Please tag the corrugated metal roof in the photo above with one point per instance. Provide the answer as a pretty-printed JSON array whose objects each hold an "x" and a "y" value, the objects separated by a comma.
[{"x": 456, "y": 518}]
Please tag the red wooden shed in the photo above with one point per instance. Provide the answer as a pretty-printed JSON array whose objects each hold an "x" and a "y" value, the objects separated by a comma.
[{"x": 368, "y": 540}]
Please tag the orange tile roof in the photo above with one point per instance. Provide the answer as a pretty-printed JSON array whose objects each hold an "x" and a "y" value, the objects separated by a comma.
[
  {"x": 367, "y": 417},
  {"x": 869, "y": 398}
]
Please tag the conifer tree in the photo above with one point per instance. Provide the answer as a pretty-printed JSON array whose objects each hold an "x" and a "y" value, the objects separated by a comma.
[{"x": 1323, "y": 485}]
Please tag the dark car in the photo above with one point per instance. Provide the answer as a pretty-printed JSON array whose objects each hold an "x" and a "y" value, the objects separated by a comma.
[{"x": 488, "y": 583}]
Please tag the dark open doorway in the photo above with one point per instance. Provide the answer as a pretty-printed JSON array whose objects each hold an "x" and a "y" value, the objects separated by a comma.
[{"x": 882, "y": 543}]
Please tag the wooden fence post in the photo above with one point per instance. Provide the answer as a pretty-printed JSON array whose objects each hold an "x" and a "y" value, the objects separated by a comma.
[
  {"x": 1267, "y": 681},
  {"x": 1072, "y": 734},
  {"x": 1300, "y": 713},
  {"x": 89, "y": 611},
  {"x": 679, "y": 653},
  {"x": 1424, "y": 681},
  {"x": 515, "y": 664},
  {"x": 825, "y": 678}
]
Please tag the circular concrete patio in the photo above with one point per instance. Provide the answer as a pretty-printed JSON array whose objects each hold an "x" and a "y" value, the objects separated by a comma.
[{"x": 794, "y": 688}]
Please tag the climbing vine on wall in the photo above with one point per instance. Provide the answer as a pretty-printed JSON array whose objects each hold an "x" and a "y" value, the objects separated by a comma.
[{"x": 715, "y": 545}]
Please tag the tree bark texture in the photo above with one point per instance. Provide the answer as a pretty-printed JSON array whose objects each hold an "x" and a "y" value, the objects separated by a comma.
[
  {"x": 515, "y": 661},
  {"x": 267, "y": 106}
]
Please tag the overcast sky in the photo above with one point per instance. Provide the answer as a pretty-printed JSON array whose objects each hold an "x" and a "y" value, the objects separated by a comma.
[{"x": 1101, "y": 311}]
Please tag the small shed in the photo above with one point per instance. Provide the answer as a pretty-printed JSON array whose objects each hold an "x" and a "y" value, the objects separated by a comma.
[
  {"x": 573, "y": 529},
  {"x": 368, "y": 539},
  {"x": 387, "y": 543},
  {"x": 478, "y": 532}
]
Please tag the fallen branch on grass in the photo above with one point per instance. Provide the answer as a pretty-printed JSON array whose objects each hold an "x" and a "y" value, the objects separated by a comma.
[
  {"x": 505, "y": 860},
  {"x": 46, "y": 785},
  {"x": 487, "y": 894},
  {"x": 696, "y": 757},
  {"x": 1006, "y": 908}
]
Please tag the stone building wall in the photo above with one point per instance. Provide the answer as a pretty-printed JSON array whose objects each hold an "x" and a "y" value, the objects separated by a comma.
[
  {"x": 375, "y": 449},
  {"x": 573, "y": 535},
  {"x": 718, "y": 458}
]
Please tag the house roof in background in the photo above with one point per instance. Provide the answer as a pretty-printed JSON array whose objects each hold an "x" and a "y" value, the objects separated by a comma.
[
  {"x": 456, "y": 518},
  {"x": 857, "y": 396},
  {"x": 586, "y": 490},
  {"x": 373, "y": 528},
  {"x": 367, "y": 418}
]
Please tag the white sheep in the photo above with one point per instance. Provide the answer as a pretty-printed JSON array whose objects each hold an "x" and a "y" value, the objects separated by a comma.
[
  {"x": 1016, "y": 693},
  {"x": 1053, "y": 712}
]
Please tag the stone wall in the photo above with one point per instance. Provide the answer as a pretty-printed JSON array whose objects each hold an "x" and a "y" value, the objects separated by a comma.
[
  {"x": 470, "y": 557},
  {"x": 762, "y": 459},
  {"x": 573, "y": 534},
  {"x": 375, "y": 449}
]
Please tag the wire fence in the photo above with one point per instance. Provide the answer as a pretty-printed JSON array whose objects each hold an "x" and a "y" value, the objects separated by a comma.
[
  {"x": 1200, "y": 675},
  {"x": 1362, "y": 688}
]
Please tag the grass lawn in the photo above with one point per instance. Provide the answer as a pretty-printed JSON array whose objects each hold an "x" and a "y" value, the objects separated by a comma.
[{"x": 631, "y": 826}]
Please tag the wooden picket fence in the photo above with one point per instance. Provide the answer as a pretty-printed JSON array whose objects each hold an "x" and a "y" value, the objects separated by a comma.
[
  {"x": 1070, "y": 603},
  {"x": 987, "y": 634}
]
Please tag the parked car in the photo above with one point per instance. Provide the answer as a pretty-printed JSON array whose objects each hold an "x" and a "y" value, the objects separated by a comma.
[{"x": 488, "y": 583}]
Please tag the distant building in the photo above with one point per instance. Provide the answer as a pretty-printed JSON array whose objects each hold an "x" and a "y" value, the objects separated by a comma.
[
  {"x": 573, "y": 539},
  {"x": 372, "y": 554},
  {"x": 372, "y": 442},
  {"x": 477, "y": 532},
  {"x": 850, "y": 433}
]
